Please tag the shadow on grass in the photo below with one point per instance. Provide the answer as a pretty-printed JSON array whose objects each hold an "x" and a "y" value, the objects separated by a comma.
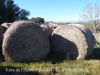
[
  {"x": 95, "y": 54},
  {"x": 8, "y": 70},
  {"x": 58, "y": 58},
  {"x": 51, "y": 57},
  {"x": 55, "y": 58},
  {"x": 2, "y": 58}
]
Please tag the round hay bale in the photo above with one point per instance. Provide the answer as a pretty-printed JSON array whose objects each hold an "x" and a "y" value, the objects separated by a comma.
[
  {"x": 74, "y": 40},
  {"x": 97, "y": 37},
  {"x": 25, "y": 41},
  {"x": 7, "y": 25},
  {"x": 4, "y": 27},
  {"x": 47, "y": 30},
  {"x": 53, "y": 26}
]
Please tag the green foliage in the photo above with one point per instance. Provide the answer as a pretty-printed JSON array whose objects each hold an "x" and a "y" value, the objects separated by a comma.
[
  {"x": 10, "y": 12},
  {"x": 91, "y": 13},
  {"x": 77, "y": 67},
  {"x": 90, "y": 26},
  {"x": 2, "y": 10},
  {"x": 23, "y": 14},
  {"x": 37, "y": 20}
]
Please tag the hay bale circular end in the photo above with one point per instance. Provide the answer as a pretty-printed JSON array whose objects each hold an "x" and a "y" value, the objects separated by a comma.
[
  {"x": 25, "y": 41},
  {"x": 74, "y": 40}
]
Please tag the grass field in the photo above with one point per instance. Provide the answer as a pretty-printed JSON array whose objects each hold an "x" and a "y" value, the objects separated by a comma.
[{"x": 55, "y": 65}]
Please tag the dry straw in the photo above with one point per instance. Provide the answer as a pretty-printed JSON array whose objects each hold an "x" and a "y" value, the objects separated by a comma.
[
  {"x": 7, "y": 25},
  {"x": 47, "y": 30},
  {"x": 25, "y": 41},
  {"x": 74, "y": 40},
  {"x": 97, "y": 37},
  {"x": 4, "y": 27}
]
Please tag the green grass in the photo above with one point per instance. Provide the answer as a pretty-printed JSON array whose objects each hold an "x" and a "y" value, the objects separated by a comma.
[
  {"x": 55, "y": 65},
  {"x": 87, "y": 67}
]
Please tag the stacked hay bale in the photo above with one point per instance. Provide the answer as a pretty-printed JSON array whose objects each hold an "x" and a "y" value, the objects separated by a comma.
[
  {"x": 53, "y": 26},
  {"x": 74, "y": 40},
  {"x": 47, "y": 30},
  {"x": 25, "y": 41},
  {"x": 5, "y": 26}
]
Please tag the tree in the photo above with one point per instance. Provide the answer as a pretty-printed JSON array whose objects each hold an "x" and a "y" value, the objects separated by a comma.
[
  {"x": 10, "y": 12},
  {"x": 2, "y": 10},
  {"x": 38, "y": 20},
  {"x": 23, "y": 14},
  {"x": 91, "y": 13}
]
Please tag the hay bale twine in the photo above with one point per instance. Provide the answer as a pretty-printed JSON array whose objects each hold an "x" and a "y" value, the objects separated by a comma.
[
  {"x": 74, "y": 40},
  {"x": 47, "y": 30},
  {"x": 25, "y": 41}
]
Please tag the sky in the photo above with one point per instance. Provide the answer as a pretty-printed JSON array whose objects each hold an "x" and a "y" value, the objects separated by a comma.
[{"x": 55, "y": 10}]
